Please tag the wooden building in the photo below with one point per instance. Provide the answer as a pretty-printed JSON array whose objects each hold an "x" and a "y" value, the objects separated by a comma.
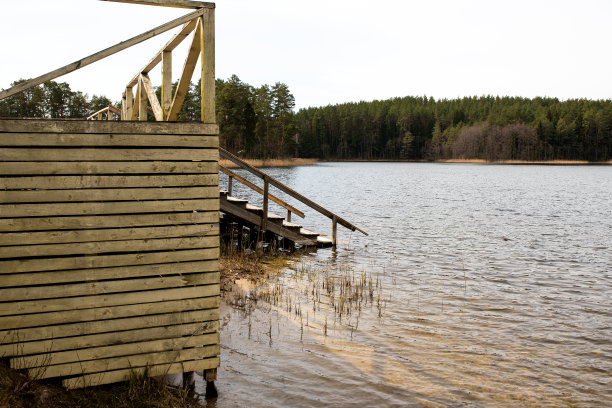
[{"x": 109, "y": 230}]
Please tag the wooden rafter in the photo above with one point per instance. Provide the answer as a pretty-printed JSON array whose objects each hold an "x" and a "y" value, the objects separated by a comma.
[
  {"x": 102, "y": 54},
  {"x": 169, "y": 3},
  {"x": 184, "y": 82}
]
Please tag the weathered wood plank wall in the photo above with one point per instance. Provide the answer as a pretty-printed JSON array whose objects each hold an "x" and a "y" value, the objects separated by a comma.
[{"x": 109, "y": 248}]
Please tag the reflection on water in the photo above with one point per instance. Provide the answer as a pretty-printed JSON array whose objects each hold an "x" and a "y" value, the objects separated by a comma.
[{"x": 492, "y": 286}]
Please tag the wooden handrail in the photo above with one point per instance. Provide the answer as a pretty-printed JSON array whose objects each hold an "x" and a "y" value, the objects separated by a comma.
[
  {"x": 252, "y": 186},
  {"x": 267, "y": 179}
]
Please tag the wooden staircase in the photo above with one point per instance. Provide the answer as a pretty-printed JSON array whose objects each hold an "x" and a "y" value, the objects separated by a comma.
[
  {"x": 247, "y": 219},
  {"x": 239, "y": 219}
]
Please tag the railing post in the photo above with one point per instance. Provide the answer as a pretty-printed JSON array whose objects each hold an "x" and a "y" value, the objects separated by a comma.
[
  {"x": 264, "y": 218},
  {"x": 288, "y": 216},
  {"x": 334, "y": 230},
  {"x": 229, "y": 185}
]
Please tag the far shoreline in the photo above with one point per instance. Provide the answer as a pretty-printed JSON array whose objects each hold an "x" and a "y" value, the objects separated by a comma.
[{"x": 309, "y": 162}]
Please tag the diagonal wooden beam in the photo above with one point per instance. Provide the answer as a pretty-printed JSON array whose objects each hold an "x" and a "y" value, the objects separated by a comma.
[
  {"x": 170, "y": 45},
  {"x": 169, "y": 3},
  {"x": 150, "y": 92},
  {"x": 101, "y": 55},
  {"x": 185, "y": 81}
]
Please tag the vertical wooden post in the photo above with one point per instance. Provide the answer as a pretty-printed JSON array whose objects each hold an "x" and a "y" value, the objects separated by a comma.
[
  {"x": 229, "y": 185},
  {"x": 207, "y": 83},
  {"x": 264, "y": 219},
  {"x": 166, "y": 94},
  {"x": 109, "y": 114},
  {"x": 99, "y": 116},
  {"x": 123, "y": 106},
  {"x": 142, "y": 101},
  {"x": 129, "y": 103},
  {"x": 288, "y": 216},
  {"x": 334, "y": 230}
]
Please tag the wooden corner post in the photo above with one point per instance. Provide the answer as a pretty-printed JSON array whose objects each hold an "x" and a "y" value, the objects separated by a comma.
[{"x": 207, "y": 84}]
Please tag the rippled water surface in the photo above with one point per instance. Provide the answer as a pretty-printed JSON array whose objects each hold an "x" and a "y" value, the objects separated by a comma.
[{"x": 491, "y": 286}]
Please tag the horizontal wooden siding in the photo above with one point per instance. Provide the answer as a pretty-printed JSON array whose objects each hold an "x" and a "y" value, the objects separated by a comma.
[{"x": 109, "y": 248}]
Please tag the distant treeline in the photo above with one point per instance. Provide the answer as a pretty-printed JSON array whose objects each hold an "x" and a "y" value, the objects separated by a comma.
[
  {"x": 489, "y": 128},
  {"x": 259, "y": 122}
]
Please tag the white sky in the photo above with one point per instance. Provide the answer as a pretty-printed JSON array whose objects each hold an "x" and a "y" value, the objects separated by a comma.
[{"x": 335, "y": 51}]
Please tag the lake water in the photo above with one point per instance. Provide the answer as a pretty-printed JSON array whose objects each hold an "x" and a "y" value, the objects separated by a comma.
[{"x": 481, "y": 285}]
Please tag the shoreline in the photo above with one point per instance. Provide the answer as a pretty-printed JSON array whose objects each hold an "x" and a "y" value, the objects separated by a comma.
[
  {"x": 270, "y": 162},
  {"x": 309, "y": 162}
]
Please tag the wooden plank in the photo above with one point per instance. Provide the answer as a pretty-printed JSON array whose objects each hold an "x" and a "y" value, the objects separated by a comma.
[
  {"x": 105, "y": 313},
  {"x": 117, "y": 127},
  {"x": 108, "y": 377},
  {"x": 105, "y": 339},
  {"x": 208, "y": 78},
  {"x": 86, "y": 248},
  {"x": 107, "y": 261},
  {"x": 185, "y": 80},
  {"x": 153, "y": 101},
  {"x": 87, "y": 275},
  {"x": 192, "y": 277},
  {"x": 112, "y": 234},
  {"x": 166, "y": 90},
  {"x": 120, "y": 181},
  {"x": 115, "y": 363},
  {"x": 107, "y": 194},
  {"x": 106, "y": 139},
  {"x": 118, "y": 299},
  {"x": 107, "y": 207},
  {"x": 106, "y": 221},
  {"x": 153, "y": 167},
  {"x": 129, "y": 100},
  {"x": 190, "y": 4},
  {"x": 100, "y": 55},
  {"x": 105, "y": 154},
  {"x": 96, "y": 353},
  {"x": 103, "y": 326}
]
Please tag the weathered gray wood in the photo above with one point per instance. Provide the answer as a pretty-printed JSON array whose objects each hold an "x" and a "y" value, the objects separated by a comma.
[
  {"x": 84, "y": 248},
  {"x": 191, "y": 277},
  {"x": 106, "y": 194},
  {"x": 100, "y": 55},
  {"x": 115, "y": 351},
  {"x": 117, "y": 127},
  {"x": 118, "y": 168},
  {"x": 207, "y": 85},
  {"x": 128, "y": 323},
  {"x": 115, "y": 363},
  {"x": 120, "y": 181},
  {"x": 150, "y": 92},
  {"x": 105, "y": 339},
  {"x": 106, "y": 221},
  {"x": 120, "y": 272},
  {"x": 166, "y": 87},
  {"x": 107, "y": 207},
  {"x": 105, "y": 313},
  {"x": 185, "y": 80},
  {"x": 108, "y": 139},
  {"x": 117, "y": 299},
  {"x": 90, "y": 380},
  {"x": 102, "y": 154},
  {"x": 110, "y": 234},
  {"x": 107, "y": 261}
]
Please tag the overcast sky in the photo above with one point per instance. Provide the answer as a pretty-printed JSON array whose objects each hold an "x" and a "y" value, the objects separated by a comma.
[{"x": 335, "y": 51}]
